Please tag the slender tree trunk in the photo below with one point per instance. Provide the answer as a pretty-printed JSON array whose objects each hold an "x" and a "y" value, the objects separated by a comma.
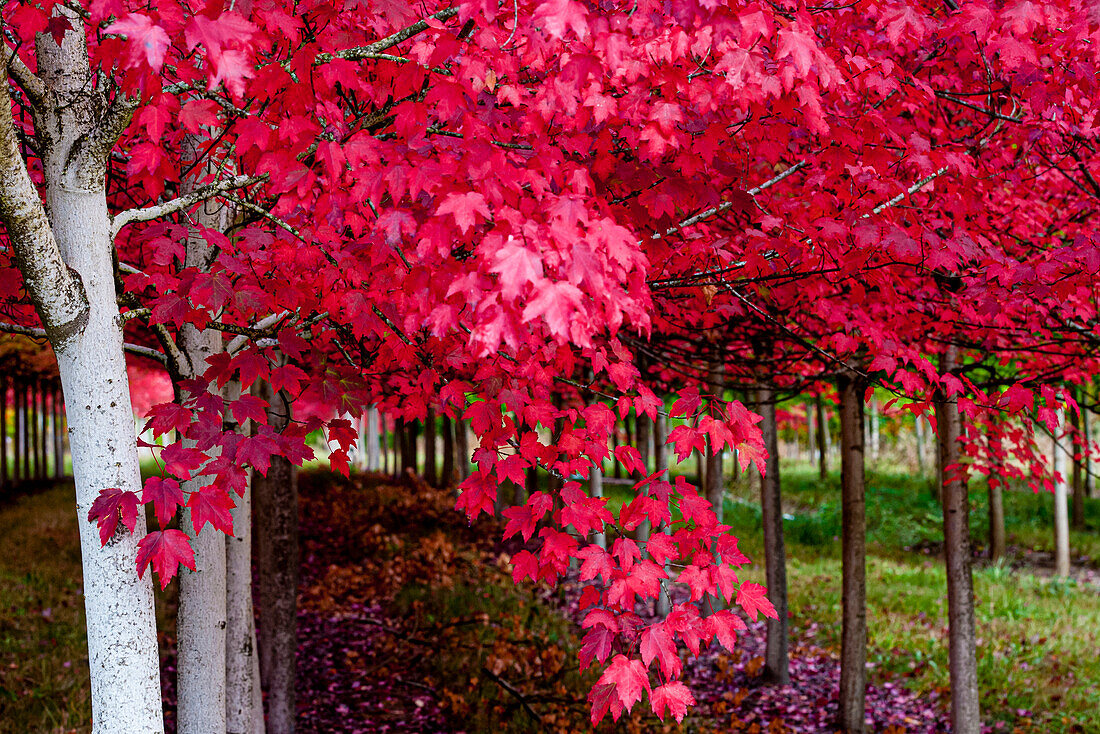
[
  {"x": 595, "y": 489},
  {"x": 918, "y": 424},
  {"x": 373, "y": 436},
  {"x": 853, "y": 637},
  {"x": 1061, "y": 458},
  {"x": 448, "y": 451},
  {"x": 20, "y": 429},
  {"x": 275, "y": 501},
  {"x": 1074, "y": 443},
  {"x": 996, "y": 502},
  {"x": 59, "y": 433},
  {"x": 201, "y": 618},
  {"x": 1086, "y": 451},
  {"x": 462, "y": 449},
  {"x": 645, "y": 441},
  {"x": 776, "y": 660},
  {"x": 386, "y": 452},
  {"x": 429, "y": 449},
  {"x": 399, "y": 447},
  {"x": 244, "y": 713},
  {"x": 716, "y": 494},
  {"x": 660, "y": 452},
  {"x": 965, "y": 713},
  {"x": 68, "y": 271},
  {"x": 4, "y": 479},
  {"x": 33, "y": 413}
]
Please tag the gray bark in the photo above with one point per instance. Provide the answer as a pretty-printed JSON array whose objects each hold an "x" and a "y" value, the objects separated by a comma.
[
  {"x": 776, "y": 659},
  {"x": 962, "y": 638},
  {"x": 853, "y": 640},
  {"x": 1061, "y": 460},
  {"x": 275, "y": 504}
]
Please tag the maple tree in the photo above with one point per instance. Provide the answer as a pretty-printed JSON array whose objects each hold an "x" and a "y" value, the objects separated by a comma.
[{"x": 485, "y": 211}]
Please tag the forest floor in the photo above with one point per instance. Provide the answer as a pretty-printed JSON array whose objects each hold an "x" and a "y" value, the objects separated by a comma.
[{"x": 409, "y": 621}]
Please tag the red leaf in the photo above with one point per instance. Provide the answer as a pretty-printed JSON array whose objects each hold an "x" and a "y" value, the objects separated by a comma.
[
  {"x": 525, "y": 565},
  {"x": 596, "y": 645},
  {"x": 673, "y": 697},
  {"x": 146, "y": 42},
  {"x": 106, "y": 509},
  {"x": 165, "y": 550},
  {"x": 166, "y": 496},
  {"x": 656, "y": 643},
  {"x": 464, "y": 208},
  {"x": 629, "y": 678},
  {"x": 753, "y": 598},
  {"x": 211, "y": 504}
]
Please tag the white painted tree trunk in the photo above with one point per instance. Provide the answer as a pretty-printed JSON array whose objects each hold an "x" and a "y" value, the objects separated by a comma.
[
  {"x": 660, "y": 451},
  {"x": 373, "y": 448},
  {"x": 1061, "y": 498},
  {"x": 201, "y": 618},
  {"x": 122, "y": 642},
  {"x": 68, "y": 270}
]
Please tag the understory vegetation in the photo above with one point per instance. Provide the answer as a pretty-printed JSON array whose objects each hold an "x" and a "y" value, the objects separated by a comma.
[{"x": 428, "y": 623}]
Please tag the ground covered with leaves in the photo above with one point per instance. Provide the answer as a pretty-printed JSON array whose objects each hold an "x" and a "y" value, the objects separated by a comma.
[{"x": 409, "y": 622}]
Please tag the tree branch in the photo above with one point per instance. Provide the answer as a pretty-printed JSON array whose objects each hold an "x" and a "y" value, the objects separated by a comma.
[
  {"x": 56, "y": 291},
  {"x": 181, "y": 203},
  {"x": 32, "y": 86},
  {"x": 37, "y": 333},
  {"x": 372, "y": 50}
]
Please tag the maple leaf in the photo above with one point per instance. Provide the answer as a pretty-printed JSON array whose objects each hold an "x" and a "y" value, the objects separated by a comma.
[
  {"x": 464, "y": 207},
  {"x": 165, "y": 550},
  {"x": 108, "y": 507},
  {"x": 656, "y": 643},
  {"x": 724, "y": 625},
  {"x": 629, "y": 678},
  {"x": 596, "y": 645},
  {"x": 673, "y": 697},
  {"x": 555, "y": 303},
  {"x": 211, "y": 504},
  {"x": 686, "y": 439},
  {"x": 524, "y": 565},
  {"x": 753, "y": 599},
  {"x": 595, "y": 561},
  {"x": 166, "y": 496},
  {"x": 517, "y": 266},
  {"x": 147, "y": 42}
]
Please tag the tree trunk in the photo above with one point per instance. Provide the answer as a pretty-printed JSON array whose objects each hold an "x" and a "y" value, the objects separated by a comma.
[
  {"x": 853, "y": 521},
  {"x": 4, "y": 479},
  {"x": 399, "y": 447},
  {"x": 1061, "y": 458},
  {"x": 645, "y": 441},
  {"x": 429, "y": 449},
  {"x": 716, "y": 494},
  {"x": 1086, "y": 451},
  {"x": 448, "y": 474},
  {"x": 918, "y": 426},
  {"x": 201, "y": 618},
  {"x": 244, "y": 713},
  {"x": 996, "y": 503},
  {"x": 1074, "y": 444},
  {"x": 462, "y": 449},
  {"x": 275, "y": 500},
  {"x": 660, "y": 452},
  {"x": 776, "y": 660},
  {"x": 20, "y": 443},
  {"x": 374, "y": 462},
  {"x": 59, "y": 433},
  {"x": 34, "y": 413},
  {"x": 68, "y": 271},
  {"x": 965, "y": 715}
]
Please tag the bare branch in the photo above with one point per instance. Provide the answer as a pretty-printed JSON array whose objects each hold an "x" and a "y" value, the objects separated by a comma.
[
  {"x": 376, "y": 48},
  {"x": 32, "y": 86},
  {"x": 262, "y": 325},
  {"x": 181, "y": 203},
  {"x": 33, "y": 332},
  {"x": 695, "y": 219},
  {"x": 146, "y": 352}
]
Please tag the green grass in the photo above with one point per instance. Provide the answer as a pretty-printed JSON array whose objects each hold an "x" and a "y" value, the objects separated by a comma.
[
  {"x": 1037, "y": 637},
  {"x": 43, "y": 653}
]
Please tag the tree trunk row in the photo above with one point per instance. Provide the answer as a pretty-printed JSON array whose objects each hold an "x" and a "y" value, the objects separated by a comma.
[{"x": 37, "y": 446}]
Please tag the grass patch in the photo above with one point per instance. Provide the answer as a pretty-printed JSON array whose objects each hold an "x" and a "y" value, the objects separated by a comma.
[
  {"x": 1037, "y": 663},
  {"x": 44, "y": 673}
]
